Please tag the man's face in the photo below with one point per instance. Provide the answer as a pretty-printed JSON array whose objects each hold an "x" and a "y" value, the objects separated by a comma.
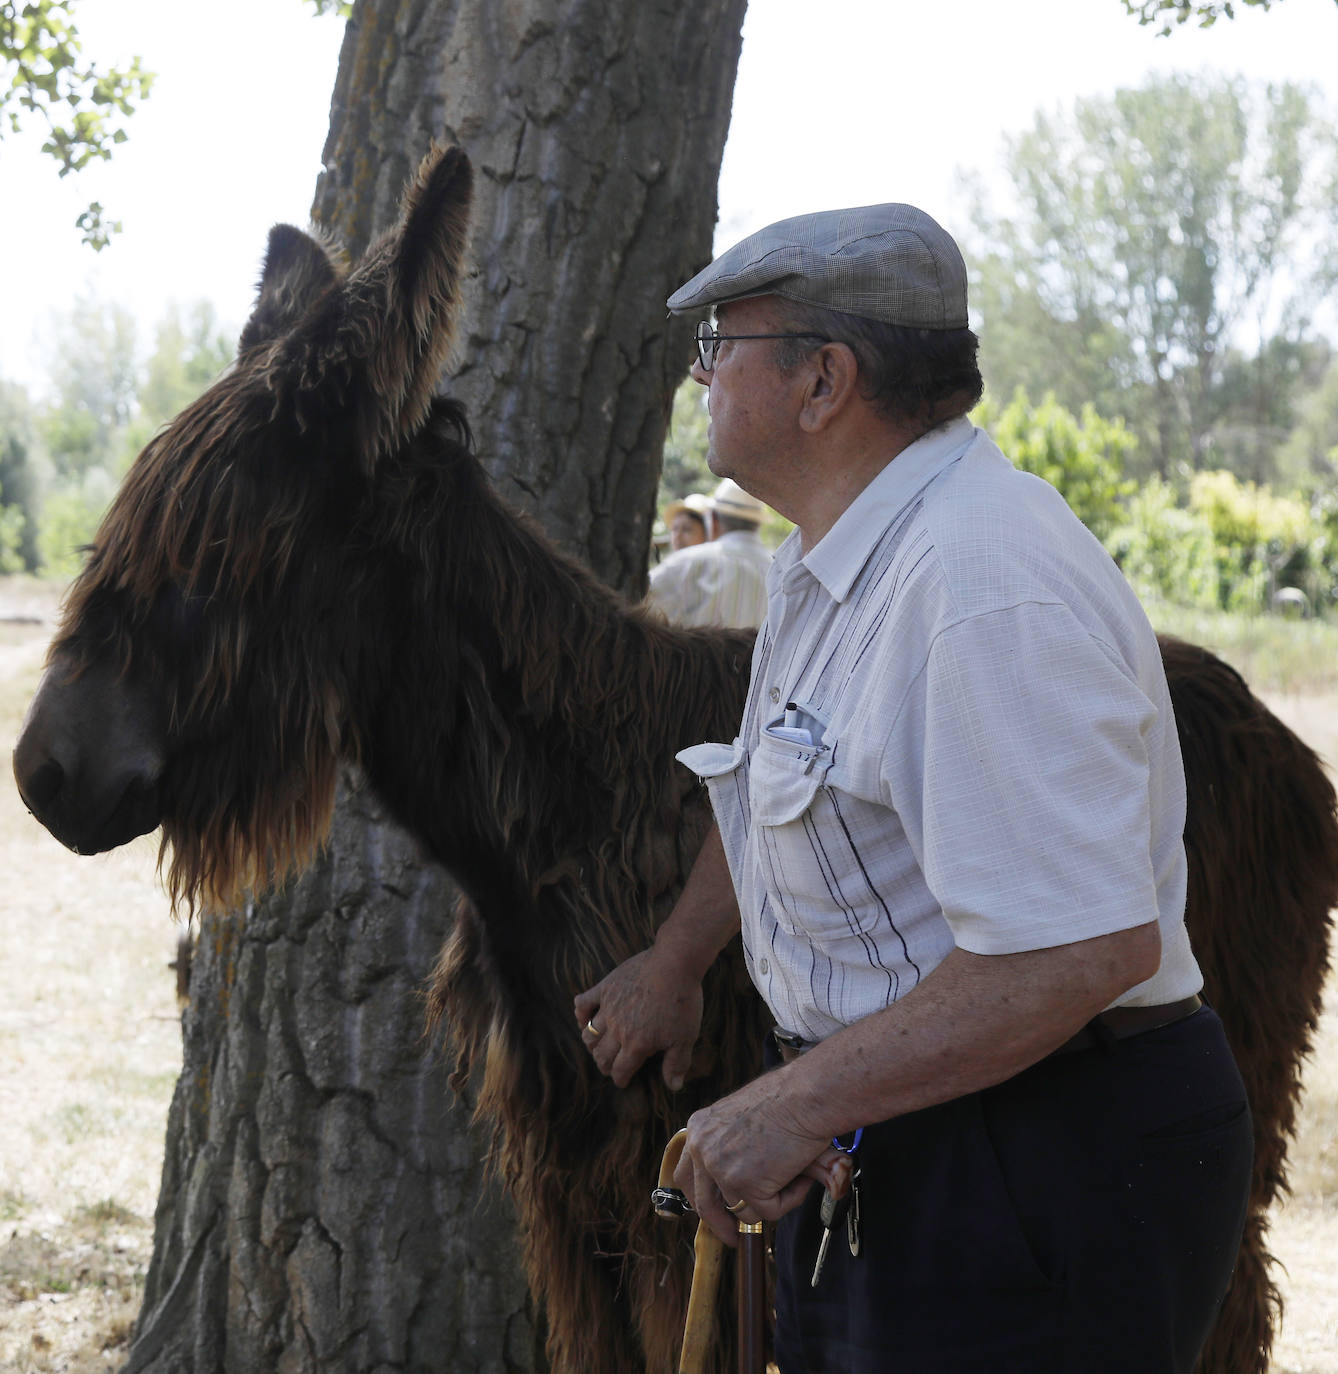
[{"x": 753, "y": 405}]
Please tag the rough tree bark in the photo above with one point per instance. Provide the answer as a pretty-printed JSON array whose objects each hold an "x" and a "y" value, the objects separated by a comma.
[{"x": 324, "y": 1206}]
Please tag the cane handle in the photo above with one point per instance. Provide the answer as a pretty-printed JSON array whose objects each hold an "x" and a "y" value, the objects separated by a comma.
[{"x": 673, "y": 1152}]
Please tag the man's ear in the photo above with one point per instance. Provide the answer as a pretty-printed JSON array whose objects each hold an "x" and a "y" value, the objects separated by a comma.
[{"x": 833, "y": 385}]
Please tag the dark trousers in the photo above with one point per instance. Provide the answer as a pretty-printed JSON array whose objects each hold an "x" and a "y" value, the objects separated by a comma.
[{"x": 1082, "y": 1217}]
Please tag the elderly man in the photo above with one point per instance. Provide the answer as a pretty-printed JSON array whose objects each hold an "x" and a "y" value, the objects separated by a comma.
[
  {"x": 724, "y": 580},
  {"x": 952, "y": 817}
]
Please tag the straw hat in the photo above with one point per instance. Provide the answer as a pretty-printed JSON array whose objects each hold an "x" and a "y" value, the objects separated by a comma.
[
  {"x": 695, "y": 504},
  {"x": 730, "y": 499}
]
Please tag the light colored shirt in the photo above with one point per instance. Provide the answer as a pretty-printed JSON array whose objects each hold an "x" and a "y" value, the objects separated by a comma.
[
  {"x": 993, "y": 761},
  {"x": 723, "y": 582}
]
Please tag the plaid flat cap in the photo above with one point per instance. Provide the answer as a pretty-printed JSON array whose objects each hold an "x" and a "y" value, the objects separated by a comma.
[{"x": 885, "y": 262}]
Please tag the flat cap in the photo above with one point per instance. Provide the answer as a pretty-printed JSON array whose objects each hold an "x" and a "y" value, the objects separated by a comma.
[{"x": 885, "y": 262}]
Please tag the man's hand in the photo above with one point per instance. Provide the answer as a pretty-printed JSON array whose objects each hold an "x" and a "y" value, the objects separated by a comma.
[
  {"x": 748, "y": 1149},
  {"x": 652, "y": 1002}
]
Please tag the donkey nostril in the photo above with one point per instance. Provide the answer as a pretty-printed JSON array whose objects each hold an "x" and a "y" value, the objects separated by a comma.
[{"x": 43, "y": 783}]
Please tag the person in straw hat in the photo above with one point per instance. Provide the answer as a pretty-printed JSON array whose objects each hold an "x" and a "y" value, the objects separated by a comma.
[
  {"x": 952, "y": 819},
  {"x": 724, "y": 580},
  {"x": 685, "y": 521}
]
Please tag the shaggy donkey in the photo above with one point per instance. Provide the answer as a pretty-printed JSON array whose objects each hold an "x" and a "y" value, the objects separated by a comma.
[{"x": 309, "y": 565}]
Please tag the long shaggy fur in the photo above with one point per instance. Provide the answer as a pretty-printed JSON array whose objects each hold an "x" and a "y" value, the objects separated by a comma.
[
  {"x": 1262, "y": 842},
  {"x": 309, "y": 565}
]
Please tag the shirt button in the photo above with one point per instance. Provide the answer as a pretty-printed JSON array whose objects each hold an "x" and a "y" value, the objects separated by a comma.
[
  {"x": 775, "y": 694},
  {"x": 764, "y": 968}
]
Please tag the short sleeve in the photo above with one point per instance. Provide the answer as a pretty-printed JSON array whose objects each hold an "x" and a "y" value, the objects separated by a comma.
[{"x": 1018, "y": 765}]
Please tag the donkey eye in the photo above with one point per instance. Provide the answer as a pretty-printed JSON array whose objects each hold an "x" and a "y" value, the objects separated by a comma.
[{"x": 177, "y": 616}]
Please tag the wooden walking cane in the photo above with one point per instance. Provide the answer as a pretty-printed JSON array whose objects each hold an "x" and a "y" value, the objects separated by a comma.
[{"x": 708, "y": 1258}]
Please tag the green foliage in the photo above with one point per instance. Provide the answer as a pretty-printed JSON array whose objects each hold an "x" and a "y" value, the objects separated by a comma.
[
  {"x": 22, "y": 472},
  {"x": 1261, "y": 400},
  {"x": 1230, "y": 547},
  {"x": 342, "y": 8},
  {"x": 71, "y": 514},
  {"x": 12, "y": 525},
  {"x": 1166, "y": 552},
  {"x": 189, "y": 353},
  {"x": 1207, "y": 12},
  {"x": 1248, "y": 515},
  {"x": 61, "y": 461},
  {"x": 684, "y": 470},
  {"x": 46, "y": 77},
  {"x": 1308, "y": 459},
  {"x": 1256, "y": 536},
  {"x": 94, "y": 376},
  {"x": 1082, "y": 457}
]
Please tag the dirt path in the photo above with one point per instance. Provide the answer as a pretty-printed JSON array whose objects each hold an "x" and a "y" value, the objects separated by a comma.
[{"x": 90, "y": 1049}]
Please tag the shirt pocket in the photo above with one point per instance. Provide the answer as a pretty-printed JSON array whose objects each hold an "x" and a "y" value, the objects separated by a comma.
[
  {"x": 786, "y": 775},
  {"x": 797, "y": 843}
]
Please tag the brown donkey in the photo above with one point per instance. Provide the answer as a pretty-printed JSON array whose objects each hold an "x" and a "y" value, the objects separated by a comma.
[{"x": 308, "y": 565}]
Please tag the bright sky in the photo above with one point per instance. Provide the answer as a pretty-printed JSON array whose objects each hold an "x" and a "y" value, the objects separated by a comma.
[{"x": 841, "y": 103}]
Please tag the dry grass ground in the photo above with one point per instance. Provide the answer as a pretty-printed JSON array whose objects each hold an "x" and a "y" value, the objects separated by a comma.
[
  {"x": 89, "y": 1049},
  {"x": 90, "y": 1046}
]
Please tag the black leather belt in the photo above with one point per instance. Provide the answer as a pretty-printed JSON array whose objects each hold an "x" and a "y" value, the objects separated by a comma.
[{"x": 1119, "y": 1023}]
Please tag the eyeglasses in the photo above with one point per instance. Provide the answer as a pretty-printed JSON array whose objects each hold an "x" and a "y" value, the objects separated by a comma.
[{"x": 709, "y": 341}]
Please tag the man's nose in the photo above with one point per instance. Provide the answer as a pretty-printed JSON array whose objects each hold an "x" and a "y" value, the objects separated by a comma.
[{"x": 699, "y": 374}]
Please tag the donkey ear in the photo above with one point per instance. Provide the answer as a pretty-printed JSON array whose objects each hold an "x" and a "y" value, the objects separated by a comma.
[
  {"x": 400, "y": 303},
  {"x": 298, "y": 270}
]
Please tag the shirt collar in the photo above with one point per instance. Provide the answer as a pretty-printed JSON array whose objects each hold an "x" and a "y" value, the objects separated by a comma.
[{"x": 839, "y": 555}]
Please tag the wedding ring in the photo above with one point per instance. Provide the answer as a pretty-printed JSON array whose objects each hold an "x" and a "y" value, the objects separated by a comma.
[
  {"x": 738, "y": 1206},
  {"x": 593, "y": 1029}
]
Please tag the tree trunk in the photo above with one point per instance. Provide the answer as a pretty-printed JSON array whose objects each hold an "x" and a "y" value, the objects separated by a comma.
[
  {"x": 324, "y": 1203},
  {"x": 596, "y": 130}
]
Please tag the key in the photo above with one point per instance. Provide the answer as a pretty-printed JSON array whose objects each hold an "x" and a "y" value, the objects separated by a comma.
[
  {"x": 854, "y": 1222},
  {"x": 833, "y": 1213}
]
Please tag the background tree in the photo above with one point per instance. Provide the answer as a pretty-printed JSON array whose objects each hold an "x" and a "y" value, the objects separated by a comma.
[
  {"x": 21, "y": 465},
  {"x": 684, "y": 469},
  {"x": 93, "y": 378},
  {"x": 190, "y": 350},
  {"x": 66, "y": 453},
  {"x": 1308, "y": 461},
  {"x": 1154, "y": 230},
  {"x": 323, "y": 1211},
  {"x": 1261, "y": 399},
  {"x": 45, "y": 77}
]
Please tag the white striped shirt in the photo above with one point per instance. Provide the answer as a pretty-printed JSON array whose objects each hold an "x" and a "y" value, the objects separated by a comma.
[
  {"x": 994, "y": 763},
  {"x": 723, "y": 582}
]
